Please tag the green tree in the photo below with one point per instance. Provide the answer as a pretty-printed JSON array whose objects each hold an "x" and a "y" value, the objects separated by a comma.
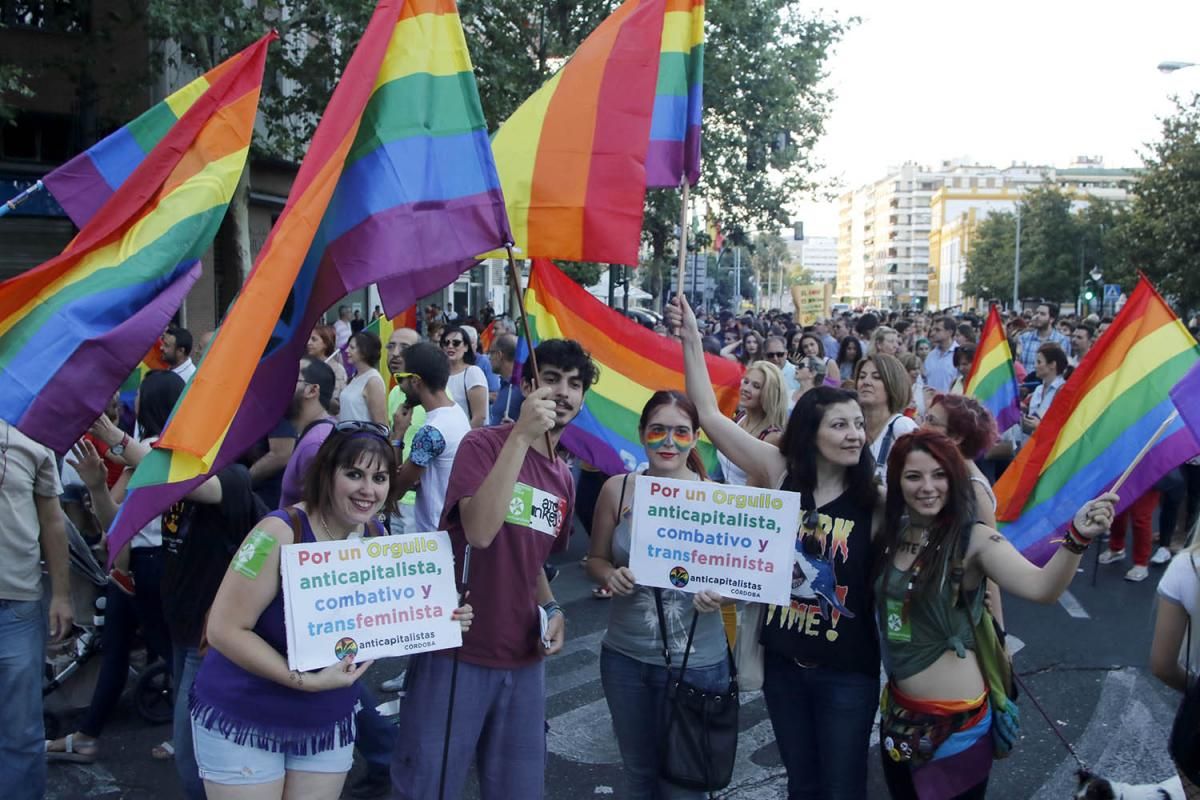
[
  {"x": 1051, "y": 240},
  {"x": 1160, "y": 233}
]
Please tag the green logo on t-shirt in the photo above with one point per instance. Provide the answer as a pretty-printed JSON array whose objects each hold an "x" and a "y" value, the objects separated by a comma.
[
  {"x": 531, "y": 507},
  {"x": 520, "y": 504}
]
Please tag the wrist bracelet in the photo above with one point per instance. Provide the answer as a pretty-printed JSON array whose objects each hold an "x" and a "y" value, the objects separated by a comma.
[
  {"x": 1074, "y": 541},
  {"x": 398, "y": 443},
  {"x": 553, "y": 608}
]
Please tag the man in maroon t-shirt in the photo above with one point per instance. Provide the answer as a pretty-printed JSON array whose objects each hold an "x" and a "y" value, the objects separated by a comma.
[{"x": 509, "y": 502}]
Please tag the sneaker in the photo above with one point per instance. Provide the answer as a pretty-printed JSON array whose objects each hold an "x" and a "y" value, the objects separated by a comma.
[
  {"x": 1161, "y": 556},
  {"x": 1109, "y": 556},
  {"x": 394, "y": 684},
  {"x": 1137, "y": 573}
]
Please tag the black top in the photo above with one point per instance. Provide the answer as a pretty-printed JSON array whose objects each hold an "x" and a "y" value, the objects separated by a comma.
[
  {"x": 199, "y": 539},
  {"x": 830, "y": 621}
]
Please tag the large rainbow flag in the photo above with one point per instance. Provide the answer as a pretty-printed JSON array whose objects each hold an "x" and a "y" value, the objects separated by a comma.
[
  {"x": 398, "y": 181},
  {"x": 634, "y": 363},
  {"x": 84, "y": 184},
  {"x": 992, "y": 379},
  {"x": 1103, "y": 415},
  {"x": 622, "y": 114},
  {"x": 72, "y": 329}
]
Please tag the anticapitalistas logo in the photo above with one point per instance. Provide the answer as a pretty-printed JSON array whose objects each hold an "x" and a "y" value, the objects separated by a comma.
[
  {"x": 679, "y": 577},
  {"x": 345, "y": 647}
]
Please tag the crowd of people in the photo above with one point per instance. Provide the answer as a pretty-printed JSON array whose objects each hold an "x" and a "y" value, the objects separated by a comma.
[{"x": 862, "y": 415}]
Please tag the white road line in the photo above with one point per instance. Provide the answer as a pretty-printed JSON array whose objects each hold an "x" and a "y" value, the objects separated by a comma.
[{"x": 1073, "y": 606}]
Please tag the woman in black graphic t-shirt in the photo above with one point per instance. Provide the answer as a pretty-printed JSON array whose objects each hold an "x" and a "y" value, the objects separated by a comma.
[{"x": 821, "y": 666}]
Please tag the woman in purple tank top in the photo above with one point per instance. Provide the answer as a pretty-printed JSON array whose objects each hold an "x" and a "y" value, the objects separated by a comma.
[{"x": 260, "y": 729}]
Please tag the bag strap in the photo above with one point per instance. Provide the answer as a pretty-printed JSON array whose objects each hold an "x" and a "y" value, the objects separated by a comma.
[
  {"x": 885, "y": 446},
  {"x": 662, "y": 627},
  {"x": 621, "y": 502},
  {"x": 294, "y": 518}
]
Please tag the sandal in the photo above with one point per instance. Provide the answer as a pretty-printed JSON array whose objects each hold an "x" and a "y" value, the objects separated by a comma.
[
  {"x": 163, "y": 752},
  {"x": 602, "y": 593},
  {"x": 82, "y": 753}
]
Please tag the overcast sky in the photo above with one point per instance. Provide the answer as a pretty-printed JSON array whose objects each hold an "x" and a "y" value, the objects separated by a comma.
[{"x": 1034, "y": 81}]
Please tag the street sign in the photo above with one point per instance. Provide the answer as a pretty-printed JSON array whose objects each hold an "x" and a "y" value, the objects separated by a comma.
[{"x": 1112, "y": 292}]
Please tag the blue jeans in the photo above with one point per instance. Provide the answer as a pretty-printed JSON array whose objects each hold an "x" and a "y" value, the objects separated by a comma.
[
  {"x": 186, "y": 663},
  {"x": 122, "y": 616},
  {"x": 822, "y": 720},
  {"x": 22, "y": 734},
  {"x": 636, "y": 695},
  {"x": 376, "y": 739}
]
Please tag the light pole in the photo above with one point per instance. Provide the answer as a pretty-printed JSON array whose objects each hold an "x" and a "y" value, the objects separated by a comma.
[{"x": 1017, "y": 262}]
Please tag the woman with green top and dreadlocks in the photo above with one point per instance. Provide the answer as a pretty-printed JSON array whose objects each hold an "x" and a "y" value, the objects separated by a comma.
[{"x": 937, "y": 725}]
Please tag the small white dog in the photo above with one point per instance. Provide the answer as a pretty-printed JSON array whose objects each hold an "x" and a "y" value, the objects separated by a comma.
[{"x": 1093, "y": 787}]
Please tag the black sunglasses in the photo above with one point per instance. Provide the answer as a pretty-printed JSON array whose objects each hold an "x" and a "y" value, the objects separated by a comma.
[
  {"x": 777, "y": 354},
  {"x": 452, "y": 342}
]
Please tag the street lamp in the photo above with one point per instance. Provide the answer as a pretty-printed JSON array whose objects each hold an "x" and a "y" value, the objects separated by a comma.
[{"x": 1167, "y": 67}]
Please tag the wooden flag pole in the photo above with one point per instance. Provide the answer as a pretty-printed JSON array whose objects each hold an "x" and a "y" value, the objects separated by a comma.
[
  {"x": 683, "y": 219},
  {"x": 515, "y": 277},
  {"x": 1145, "y": 449}
]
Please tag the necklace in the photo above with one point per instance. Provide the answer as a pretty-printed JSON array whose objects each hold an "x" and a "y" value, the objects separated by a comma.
[{"x": 325, "y": 527}]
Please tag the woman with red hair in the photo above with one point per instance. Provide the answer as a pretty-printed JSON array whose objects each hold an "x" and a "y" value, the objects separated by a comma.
[
  {"x": 936, "y": 729},
  {"x": 972, "y": 428}
]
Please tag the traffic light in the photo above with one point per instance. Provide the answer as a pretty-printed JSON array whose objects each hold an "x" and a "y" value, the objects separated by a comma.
[{"x": 1088, "y": 294}]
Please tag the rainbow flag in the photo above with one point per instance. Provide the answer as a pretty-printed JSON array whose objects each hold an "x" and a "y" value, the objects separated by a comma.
[
  {"x": 151, "y": 361},
  {"x": 674, "y": 151},
  {"x": 992, "y": 380},
  {"x": 634, "y": 363},
  {"x": 576, "y": 157},
  {"x": 72, "y": 329},
  {"x": 1103, "y": 415},
  {"x": 398, "y": 181},
  {"x": 86, "y": 182}
]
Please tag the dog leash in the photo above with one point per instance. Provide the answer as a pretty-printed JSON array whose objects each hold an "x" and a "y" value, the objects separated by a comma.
[{"x": 1049, "y": 722}]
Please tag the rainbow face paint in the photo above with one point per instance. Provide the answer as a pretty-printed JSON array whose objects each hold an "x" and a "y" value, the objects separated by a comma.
[{"x": 657, "y": 437}]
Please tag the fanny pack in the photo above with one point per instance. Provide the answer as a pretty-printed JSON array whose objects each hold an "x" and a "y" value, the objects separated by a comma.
[{"x": 910, "y": 736}]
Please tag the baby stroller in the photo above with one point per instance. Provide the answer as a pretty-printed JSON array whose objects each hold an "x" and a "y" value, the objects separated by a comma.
[{"x": 71, "y": 666}]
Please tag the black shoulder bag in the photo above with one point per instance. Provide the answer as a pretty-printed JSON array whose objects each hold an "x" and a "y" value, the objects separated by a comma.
[
  {"x": 1184, "y": 745},
  {"x": 700, "y": 744}
]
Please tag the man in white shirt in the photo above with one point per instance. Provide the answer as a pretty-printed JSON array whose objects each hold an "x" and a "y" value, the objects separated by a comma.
[
  {"x": 342, "y": 329},
  {"x": 176, "y": 348},
  {"x": 939, "y": 364},
  {"x": 426, "y": 370}
]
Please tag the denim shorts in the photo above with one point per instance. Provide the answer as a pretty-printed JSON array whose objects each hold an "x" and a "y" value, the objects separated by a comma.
[{"x": 223, "y": 762}]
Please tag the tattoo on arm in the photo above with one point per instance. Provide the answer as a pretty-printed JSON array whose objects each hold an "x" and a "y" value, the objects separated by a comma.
[{"x": 995, "y": 537}]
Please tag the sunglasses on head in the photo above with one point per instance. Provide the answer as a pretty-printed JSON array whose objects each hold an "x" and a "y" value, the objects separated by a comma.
[
  {"x": 363, "y": 426},
  {"x": 399, "y": 376}
]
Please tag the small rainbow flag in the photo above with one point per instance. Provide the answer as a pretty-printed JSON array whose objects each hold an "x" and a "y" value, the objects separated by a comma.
[
  {"x": 84, "y": 184},
  {"x": 634, "y": 363},
  {"x": 679, "y": 97},
  {"x": 992, "y": 380},
  {"x": 398, "y": 182},
  {"x": 1103, "y": 415},
  {"x": 622, "y": 114},
  {"x": 72, "y": 329},
  {"x": 384, "y": 328}
]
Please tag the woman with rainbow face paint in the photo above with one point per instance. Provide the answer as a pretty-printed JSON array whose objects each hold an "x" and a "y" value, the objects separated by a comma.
[{"x": 632, "y": 668}]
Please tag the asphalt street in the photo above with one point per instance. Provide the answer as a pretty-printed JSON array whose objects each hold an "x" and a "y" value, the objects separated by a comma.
[{"x": 1084, "y": 660}]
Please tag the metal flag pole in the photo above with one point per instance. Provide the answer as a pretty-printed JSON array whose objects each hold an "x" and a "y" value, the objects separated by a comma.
[
  {"x": 515, "y": 277},
  {"x": 11, "y": 205},
  {"x": 453, "y": 681},
  {"x": 683, "y": 216}
]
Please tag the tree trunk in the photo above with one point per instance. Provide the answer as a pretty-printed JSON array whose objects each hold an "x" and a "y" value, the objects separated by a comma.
[{"x": 231, "y": 250}]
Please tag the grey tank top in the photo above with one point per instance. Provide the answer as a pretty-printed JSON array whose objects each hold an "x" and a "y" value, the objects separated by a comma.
[{"x": 633, "y": 620}]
